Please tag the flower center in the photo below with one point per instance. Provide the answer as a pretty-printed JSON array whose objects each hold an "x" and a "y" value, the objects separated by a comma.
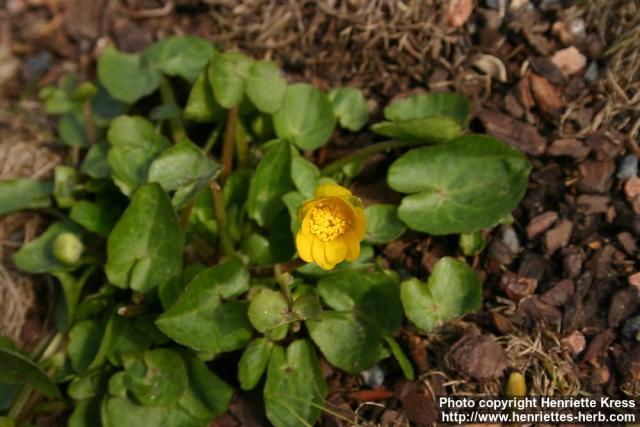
[{"x": 327, "y": 223}]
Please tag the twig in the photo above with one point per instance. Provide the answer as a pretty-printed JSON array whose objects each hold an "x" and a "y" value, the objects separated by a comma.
[
  {"x": 284, "y": 267},
  {"x": 219, "y": 210},
  {"x": 227, "y": 148}
]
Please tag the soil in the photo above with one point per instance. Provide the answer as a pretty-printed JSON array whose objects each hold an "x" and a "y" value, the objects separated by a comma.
[{"x": 556, "y": 79}]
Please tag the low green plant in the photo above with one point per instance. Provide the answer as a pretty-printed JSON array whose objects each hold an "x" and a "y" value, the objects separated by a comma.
[{"x": 173, "y": 238}]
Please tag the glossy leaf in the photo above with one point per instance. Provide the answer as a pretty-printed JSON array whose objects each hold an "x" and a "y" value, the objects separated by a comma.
[
  {"x": 452, "y": 291},
  {"x": 98, "y": 217},
  {"x": 85, "y": 413},
  {"x": 306, "y": 117},
  {"x": 183, "y": 56},
  {"x": 254, "y": 362},
  {"x": 144, "y": 249},
  {"x": 383, "y": 224},
  {"x": 401, "y": 358},
  {"x": 305, "y": 175},
  {"x": 268, "y": 313},
  {"x": 84, "y": 343},
  {"x": 227, "y": 75},
  {"x": 71, "y": 130},
  {"x": 123, "y": 412},
  {"x": 350, "y": 108},
  {"x": 265, "y": 86},
  {"x": 185, "y": 169},
  {"x": 127, "y": 77},
  {"x": 134, "y": 145},
  {"x": 271, "y": 181},
  {"x": 95, "y": 163},
  {"x": 23, "y": 193},
  {"x": 295, "y": 389},
  {"x": 206, "y": 395},
  {"x": 16, "y": 368},
  {"x": 201, "y": 104},
  {"x": 38, "y": 256},
  {"x": 431, "y": 129},
  {"x": 464, "y": 186},
  {"x": 158, "y": 378},
  {"x": 201, "y": 320},
  {"x": 432, "y": 104}
]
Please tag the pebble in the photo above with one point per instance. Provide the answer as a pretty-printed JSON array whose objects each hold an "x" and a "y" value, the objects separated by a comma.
[
  {"x": 575, "y": 341},
  {"x": 569, "y": 60},
  {"x": 592, "y": 73},
  {"x": 634, "y": 280},
  {"x": 632, "y": 187},
  {"x": 627, "y": 167},
  {"x": 540, "y": 224},
  {"x": 510, "y": 239},
  {"x": 373, "y": 377},
  {"x": 631, "y": 328},
  {"x": 558, "y": 236}
]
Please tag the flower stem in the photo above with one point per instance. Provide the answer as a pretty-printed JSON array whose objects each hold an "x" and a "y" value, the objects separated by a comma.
[
  {"x": 169, "y": 98},
  {"x": 219, "y": 210},
  {"x": 284, "y": 267},
  {"x": 284, "y": 279},
  {"x": 227, "y": 148},
  {"x": 366, "y": 151},
  {"x": 242, "y": 149}
]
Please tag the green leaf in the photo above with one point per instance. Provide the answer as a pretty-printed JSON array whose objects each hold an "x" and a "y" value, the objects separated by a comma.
[
  {"x": 269, "y": 314},
  {"x": 183, "y": 56},
  {"x": 185, "y": 168},
  {"x": 98, "y": 217},
  {"x": 158, "y": 378},
  {"x": 95, "y": 163},
  {"x": 383, "y": 224},
  {"x": 122, "y": 412},
  {"x": 369, "y": 307},
  {"x": 227, "y": 75},
  {"x": 295, "y": 389},
  {"x": 207, "y": 396},
  {"x": 472, "y": 243},
  {"x": 293, "y": 200},
  {"x": 306, "y": 117},
  {"x": 65, "y": 181},
  {"x": 432, "y": 129},
  {"x": 452, "y": 291},
  {"x": 85, "y": 413},
  {"x": 401, "y": 358},
  {"x": 144, "y": 250},
  {"x": 433, "y": 104},
  {"x": 134, "y": 144},
  {"x": 256, "y": 247},
  {"x": 253, "y": 362},
  {"x": 202, "y": 320},
  {"x": 466, "y": 185},
  {"x": 37, "y": 256},
  {"x": 71, "y": 287},
  {"x": 350, "y": 108},
  {"x": 127, "y": 77},
  {"x": 305, "y": 174},
  {"x": 23, "y": 193},
  {"x": 265, "y": 86},
  {"x": 84, "y": 343},
  {"x": 17, "y": 369},
  {"x": 87, "y": 385},
  {"x": 271, "y": 181},
  {"x": 125, "y": 336},
  {"x": 307, "y": 307},
  {"x": 201, "y": 104},
  {"x": 71, "y": 130}
]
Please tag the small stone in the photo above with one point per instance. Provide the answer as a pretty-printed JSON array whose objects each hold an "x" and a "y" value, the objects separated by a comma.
[
  {"x": 572, "y": 264},
  {"x": 546, "y": 95},
  {"x": 510, "y": 239},
  {"x": 538, "y": 311},
  {"x": 512, "y": 105},
  {"x": 634, "y": 280},
  {"x": 632, "y": 187},
  {"x": 548, "y": 70},
  {"x": 595, "y": 176},
  {"x": 459, "y": 12},
  {"x": 627, "y": 167},
  {"x": 540, "y": 224},
  {"x": 628, "y": 243},
  {"x": 631, "y": 328},
  {"x": 517, "y": 287},
  {"x": 575, "y": 342},
  {"x": 558, "y": 236},
  {"x": 569, "y": 60},
  {"x": 560, "y": 293},
  {"x": 373, "y": 377},
  {"x": 598, "y": 347},
  {"x": 593, "y": 204},
  {"x": 569, "y": 147},
  {"x": 478, "y": 356},
  {"x": 592, "y": 73},
  {"x": 623, "y": 304}
]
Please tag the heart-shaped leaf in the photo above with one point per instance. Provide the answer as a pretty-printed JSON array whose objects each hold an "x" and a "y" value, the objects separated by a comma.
[
  {"x": 201, "y": 104},
  {"x": 184, "y": 56},
  {"x": 295, "y": 388},
  {"x": 269, "y": 314},
  {"x": 227, "y": 75},
  {"x": 144, "y": 250},
  {"x": 306, "y": 117},
  {"x": 127, "y": 77},
  {"x": 431, "y": 129},
  {"x": 200, "y": 319},
  {"x": 157, "y": 378},
  {"x": 350, "y": 107},
  {"x": 429, "y": 104},
  {"x": 305, "y": 174},
  {"x": 383, "y": 224},
  {"x": 265, "y": 86},
  {"x": 84, "y": 343},
  {"x": 134, "y": 144},
  {"x": 16, "y": 368},
  {"x": 452, "y": 291},
  {"x": 207, "y": 395},
  {"x": 463, "y": 186},
  {"x": 253, "y": 362}
]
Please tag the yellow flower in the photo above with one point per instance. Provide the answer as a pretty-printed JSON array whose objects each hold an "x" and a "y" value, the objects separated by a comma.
[{"x": 333, "y": 224}]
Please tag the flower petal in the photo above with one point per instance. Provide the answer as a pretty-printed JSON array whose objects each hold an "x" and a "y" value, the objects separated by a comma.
[
  {"x": 335, "y": 250},
  {"x": 319, "y": 255},
  {"x": 331, "y": 190},
  {"x": 304, "y": 242},
  {"x": 360, "y": 223},
  {"x": 353, "y": 245}
]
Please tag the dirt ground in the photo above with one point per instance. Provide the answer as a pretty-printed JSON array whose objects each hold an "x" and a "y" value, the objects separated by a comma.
[{"x": 559, "y": 80}]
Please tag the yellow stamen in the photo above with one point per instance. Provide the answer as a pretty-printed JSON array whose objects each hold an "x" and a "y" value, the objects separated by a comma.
[{"x": 328, "y": 222}]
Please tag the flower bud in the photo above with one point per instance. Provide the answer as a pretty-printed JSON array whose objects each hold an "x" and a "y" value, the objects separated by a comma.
[{"x": 67, "y": 248}]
